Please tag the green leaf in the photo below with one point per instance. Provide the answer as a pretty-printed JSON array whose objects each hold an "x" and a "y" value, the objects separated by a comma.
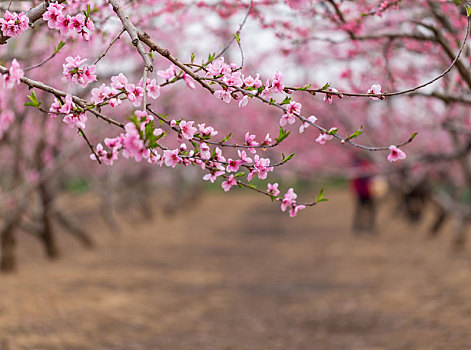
[
  {"x": 413, "y": 136},
  {"x": 304, "y": 88},
  {"x": 227, "y": 138},
  {"x": 60, "y": 46},
  {"x": 282, "y": 135},
  {"x": 33, "y": 100},
  {"x": 468, "y": 10},
  {"x": 320, "y": 197},
  {"x": 211, "y": 57},
  {"x": 332, "y": 132},
  {"x": 355, "y": 134},
  {"x": 237, "y": 37},
  {"x": 272, "y": 101},
  {"x": 286, "y": 100},
  {"x": 285, "y": 159},
  {"x": 192, "y": 57},
  {"x": 239, "y": 174},
  {"x": 326, "y": 86}
]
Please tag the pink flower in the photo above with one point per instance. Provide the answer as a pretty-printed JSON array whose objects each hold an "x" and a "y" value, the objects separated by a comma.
[
  {"x": 218, "y": 157},
  {"x": 328, "y": 97},
  {"x": 267, "y": 140},
  {"x": 234, "y": 79},
  {"x": 157, "y": 132},
  {"x": 77, "y": 22},
  {"x": 226, "y": 185},
  {"x": 167, "y": 74},
  {"x": 287, "y": 118},
  {"x": 133, "y": 146},
  {"x": 305, "y": 125},
  {"x": 376, "y": 90},
  {"x": 294, "y": 108},
  {"x": 114, "y": 102},
  {"x": 396, "y": 154},
  {"x": 262, "y": 166},
  {"x": 113, "y": 143},
  {"x": 187, "y": 129},
  {"x": 273, "y": 189},
  {"x": 188, "y": 81},
  {"x": 54, "y": 109},
  {"x": 68, "y": 106},
  {"x": 323, "y": 138},
  {"x": 233, "y": 165},
  {"x": 212, "y": 176},
  {"x": 119, "y": 81},
  {"x": 53, "y": 12},
  {"x": 223, "y": 95},
  {"x": 243, "y": 157},
  {"x": 288, "y": 199},
  {"x": 99, "y": 151},
  {"x": 295, "y": 208},
  {"x": 205, "y": 151},
  {"x": 15, "y": 73},
  {"x": 77, "y": 120},
  {"x": 74, "y": 72},
  {"x": 14, "y": 24},
  {"x": 171, "y": 158},
  {"x": 101, "y": 93},
  {"x": 250, "y": 141},
  {"x": 255, "y": 82},
  {"x": 207, "y": 130},
  {"x": 218, "y": 67},
  {"x": 244, "y": 101},
  {"x": 63, "y": 23},
  {"x": 277, "y": 83},
  {"x": 153, "y": 89}
]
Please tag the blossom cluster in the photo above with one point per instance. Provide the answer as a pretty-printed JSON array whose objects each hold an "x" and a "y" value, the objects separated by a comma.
[
  {"x": 120, "y": 86},
  {"x": 73, "y": 116},
  {"x": 77, "y": 72},
  {"x": 80, "y": 24},
  {"x": 13, "y": 24}
]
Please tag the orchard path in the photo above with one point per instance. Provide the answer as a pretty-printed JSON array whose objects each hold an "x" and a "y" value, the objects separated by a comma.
[{"x": 236, "y": 273}]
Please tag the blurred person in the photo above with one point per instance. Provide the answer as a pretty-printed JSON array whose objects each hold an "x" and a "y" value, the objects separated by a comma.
[{"x": 362, "y": 185}]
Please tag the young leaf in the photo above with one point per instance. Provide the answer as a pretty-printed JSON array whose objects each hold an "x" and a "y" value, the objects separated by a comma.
[
  {"x": 333, "y": 131},
  {"x": 326, "y": 86},
  {"x": 282, "y": 135},
  {"x": 320, "y": 197},
  {"x": 285, "y": 159},
  {"x": 33, "y": 100},
  {"x": 60, "y": 46},
  {"x": 286, "y": 100},
  {"x": 237, "y": 37},
  {"x": 227, "y": 138},
  {"x": 413, "y": 136},
  {"x": 355, "y": 134}
]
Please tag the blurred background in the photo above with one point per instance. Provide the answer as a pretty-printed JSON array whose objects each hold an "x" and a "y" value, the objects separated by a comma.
[{"x": 137, "y": 256}]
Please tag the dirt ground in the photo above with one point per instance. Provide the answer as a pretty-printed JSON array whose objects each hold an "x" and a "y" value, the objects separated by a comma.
[{"x": 235, "y": 273}]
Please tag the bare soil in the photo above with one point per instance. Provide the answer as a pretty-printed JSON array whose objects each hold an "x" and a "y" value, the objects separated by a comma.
[{"x": 233, "y": 272}]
